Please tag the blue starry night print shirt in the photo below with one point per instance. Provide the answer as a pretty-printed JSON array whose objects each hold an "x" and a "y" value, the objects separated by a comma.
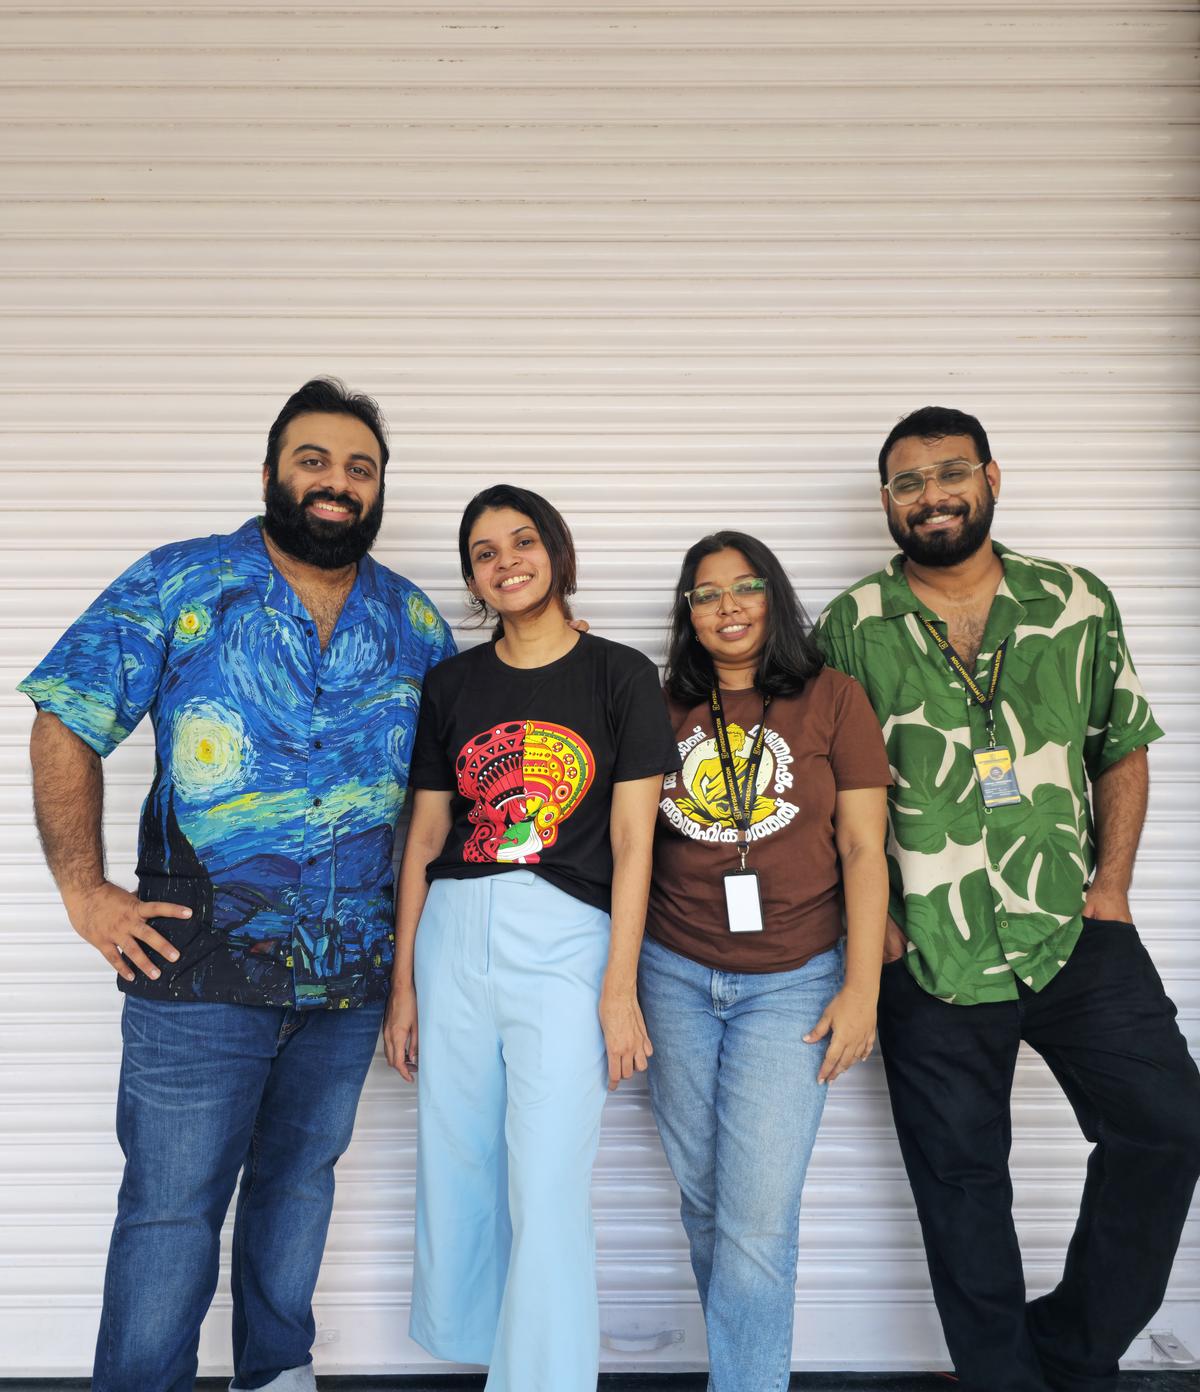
[{"x": 280, "y": 770}]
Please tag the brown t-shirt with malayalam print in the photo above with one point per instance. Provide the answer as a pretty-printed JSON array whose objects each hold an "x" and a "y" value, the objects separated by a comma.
[{"x": 824, "y": 741}]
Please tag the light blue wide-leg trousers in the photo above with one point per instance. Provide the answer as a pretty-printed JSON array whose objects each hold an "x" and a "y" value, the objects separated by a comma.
[{"x": 512, "y": 1081}]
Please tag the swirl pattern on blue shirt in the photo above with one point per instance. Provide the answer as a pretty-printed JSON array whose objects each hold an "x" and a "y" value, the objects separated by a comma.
[{"x": 280, "y": 769}]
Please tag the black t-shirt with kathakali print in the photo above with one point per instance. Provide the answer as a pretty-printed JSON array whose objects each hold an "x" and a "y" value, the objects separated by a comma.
[{"x": 531, "y": 755}]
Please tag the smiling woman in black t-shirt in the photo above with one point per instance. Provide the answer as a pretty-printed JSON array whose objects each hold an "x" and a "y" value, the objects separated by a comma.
[{"x": 537, "y": 768}]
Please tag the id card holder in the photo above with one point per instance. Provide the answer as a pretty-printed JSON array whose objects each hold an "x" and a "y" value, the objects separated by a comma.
[
  {"x": 997, "y": 777},
  {"x": 743, "y": 907}
]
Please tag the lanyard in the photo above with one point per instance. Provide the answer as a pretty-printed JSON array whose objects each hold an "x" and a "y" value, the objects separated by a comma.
[
  {"x": 741, "y": 797},
  {"x": 983, "y": 699}
]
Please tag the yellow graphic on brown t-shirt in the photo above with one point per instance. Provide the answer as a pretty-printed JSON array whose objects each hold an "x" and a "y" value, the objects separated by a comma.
[{"x": 706, "y": 800}]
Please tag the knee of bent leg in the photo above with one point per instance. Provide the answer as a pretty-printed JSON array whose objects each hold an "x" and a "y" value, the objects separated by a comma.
[
  {"x": 1183, "y": 1133},
  {"x": 1170, "y": 1130}
]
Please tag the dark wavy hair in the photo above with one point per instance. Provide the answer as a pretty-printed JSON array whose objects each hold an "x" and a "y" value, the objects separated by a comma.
[
  {"x": 553, "y": 531},
  {"x": 789, "y": 657},
  {"x": 327, "y": 396},
  {"x": 935, "y": 423}
]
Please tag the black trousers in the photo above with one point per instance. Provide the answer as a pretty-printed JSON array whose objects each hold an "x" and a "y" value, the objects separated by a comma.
[{"x": 1107, "y": 1030}]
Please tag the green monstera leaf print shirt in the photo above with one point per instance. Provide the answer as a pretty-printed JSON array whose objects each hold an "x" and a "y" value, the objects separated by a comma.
[{"x": 987, "y": 895}]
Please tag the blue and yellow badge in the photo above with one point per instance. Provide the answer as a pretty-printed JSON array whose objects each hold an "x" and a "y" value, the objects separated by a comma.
[{"x": 997, "y": 777}]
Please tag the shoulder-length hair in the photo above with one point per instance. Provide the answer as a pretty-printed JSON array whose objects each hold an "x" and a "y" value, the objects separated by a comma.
[
  {"x": 553, "y": 531},
  {"x": 789, "y": 656}
]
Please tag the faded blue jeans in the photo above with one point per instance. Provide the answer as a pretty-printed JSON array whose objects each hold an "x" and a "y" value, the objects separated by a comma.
[
  {"x": 206, "y": 1091},
  {"x": 734, "y": 1090}
]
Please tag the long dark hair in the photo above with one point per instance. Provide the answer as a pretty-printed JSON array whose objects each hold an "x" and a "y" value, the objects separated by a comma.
[
  {"x": 553, "y": 531},
  {"x": 789, "y": 657}
]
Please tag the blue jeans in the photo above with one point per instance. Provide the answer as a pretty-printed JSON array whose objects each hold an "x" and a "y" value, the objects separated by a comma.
[
  {"x": 207, "y": 1091},
  {"x": 734, "y": 1091}
]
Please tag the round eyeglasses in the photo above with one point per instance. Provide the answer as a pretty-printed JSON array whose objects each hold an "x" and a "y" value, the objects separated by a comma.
[
  {"x": 951, "y": 477},
  {"x": 746, "y": 591}
]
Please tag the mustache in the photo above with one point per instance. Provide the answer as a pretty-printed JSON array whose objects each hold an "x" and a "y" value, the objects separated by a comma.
[
  {"x": 327, "y": 495},
  {"x": 916, "y": 519}
]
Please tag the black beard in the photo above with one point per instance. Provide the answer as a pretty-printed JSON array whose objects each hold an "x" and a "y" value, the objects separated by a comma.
[
  {"x": 944, "y": 548},
  {"x": 312, "y": 540}
]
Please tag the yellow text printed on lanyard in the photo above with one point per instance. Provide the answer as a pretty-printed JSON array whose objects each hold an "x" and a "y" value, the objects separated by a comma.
[
  {"x": 983, "y": 699},
  {"x": 741, "y": 795},
  {"x": 994, "y": 769}
]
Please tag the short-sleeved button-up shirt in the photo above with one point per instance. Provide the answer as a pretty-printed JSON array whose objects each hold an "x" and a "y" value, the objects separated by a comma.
[
  {"x": 988, "y": 895},
  {"x": 280, "y": 769}
]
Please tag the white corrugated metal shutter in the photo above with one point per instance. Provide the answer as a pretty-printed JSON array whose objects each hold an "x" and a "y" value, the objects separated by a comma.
[{"x": 677, "y": 268}]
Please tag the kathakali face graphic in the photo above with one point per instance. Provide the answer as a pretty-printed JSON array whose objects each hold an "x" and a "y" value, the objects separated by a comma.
[{"x": 526, "y": 777}]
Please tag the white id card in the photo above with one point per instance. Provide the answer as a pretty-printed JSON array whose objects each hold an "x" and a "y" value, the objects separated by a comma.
[{"x": 743, "y": 907}]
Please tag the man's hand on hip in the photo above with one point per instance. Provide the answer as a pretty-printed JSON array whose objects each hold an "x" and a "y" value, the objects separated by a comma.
[
  {"x": 114, "y": 921},
  {"x": 895, "y": 944},
  {"x": 1111, "y": 904}
]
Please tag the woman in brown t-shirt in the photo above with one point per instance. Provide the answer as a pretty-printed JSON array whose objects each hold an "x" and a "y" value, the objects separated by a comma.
[{"x": 775, "y": 825}]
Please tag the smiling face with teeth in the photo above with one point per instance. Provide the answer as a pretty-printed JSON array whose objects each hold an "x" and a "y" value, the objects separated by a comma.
[
  {"x": 511, "y": 571},
  {"x": 324, "y": 491},
  {"x": 941, "y": 528}
]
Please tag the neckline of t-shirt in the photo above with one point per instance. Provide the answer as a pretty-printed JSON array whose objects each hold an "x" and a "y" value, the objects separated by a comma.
[{"x": 497, "y": 661}]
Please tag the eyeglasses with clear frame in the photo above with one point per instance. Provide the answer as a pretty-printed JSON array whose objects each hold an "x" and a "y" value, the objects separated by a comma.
[
  {"x": 749, "y": 590},
  {"x": 952, "y": 477}
]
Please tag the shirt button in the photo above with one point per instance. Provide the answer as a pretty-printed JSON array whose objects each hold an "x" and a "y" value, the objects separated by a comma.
[
  {"x": 316, "y": 802},
  {"x": 316, "y": 744},
  {"x": 312, "y": 860},
  {"x": 1004, "y": 923},
  {"x": 320, "y": 691}
]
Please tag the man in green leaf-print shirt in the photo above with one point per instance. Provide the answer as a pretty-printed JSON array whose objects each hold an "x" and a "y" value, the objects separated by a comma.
[{"x": 1017, "y": 729}]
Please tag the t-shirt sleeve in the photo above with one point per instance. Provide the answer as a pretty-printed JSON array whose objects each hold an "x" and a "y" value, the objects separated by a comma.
[
  {"x": 857, "y": 753},
  {"x": 103, "y": 674},
  {"x": 645, "y": 741},
  {"x": 441, "y": 642},
  {"x": 428, "y": 628},
  {"x": 1119, "y": 717},
  {"x": 431, "y": 765}
]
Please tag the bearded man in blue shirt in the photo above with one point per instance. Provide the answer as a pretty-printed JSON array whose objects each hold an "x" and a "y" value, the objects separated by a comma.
[{"x": 281, "y": 668}]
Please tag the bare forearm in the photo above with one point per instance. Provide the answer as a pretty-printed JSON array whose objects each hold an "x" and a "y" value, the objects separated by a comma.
[
  {"x": 68, "y": 804},
  {"x": 426, "y": 836},
  {"x": 631, "y": 835},
  {"x": 409, "y": 903},
  {"x": 1119, "y": 798},
  {"x": 865, "y": 886},
  {"x": 630, "y": 890}
]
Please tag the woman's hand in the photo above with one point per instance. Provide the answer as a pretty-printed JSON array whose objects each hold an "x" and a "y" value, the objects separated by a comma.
[
  {"x": 850, "y": 1018},
  {"x": 625, "y": 1035},
  {"x": 400, "y": 1030}
]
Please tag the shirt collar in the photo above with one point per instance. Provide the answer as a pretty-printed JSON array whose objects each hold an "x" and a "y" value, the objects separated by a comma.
[
  {"x": 250, "y": 558},
  {"x": 1021, "y": 583}
]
